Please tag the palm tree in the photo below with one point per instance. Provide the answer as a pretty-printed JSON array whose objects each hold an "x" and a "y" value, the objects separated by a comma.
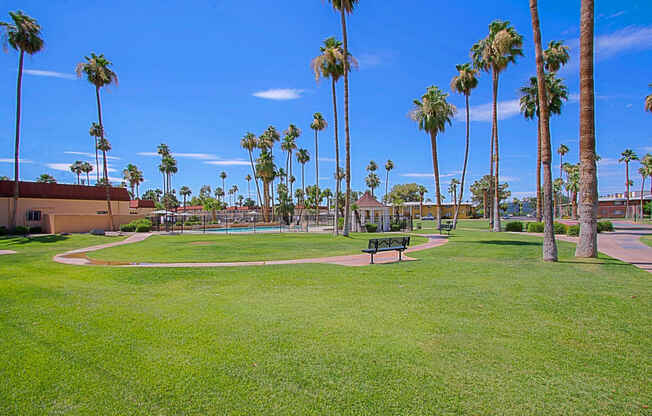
[
  {"x": 164, "y": 150},
  {"x": 373, "y": 181},
  {"x": 96, "y": 132},
  {"x": 549, "y": 243},
  {"x": 346, "y": 7},
  {"x": 557, "y": 186},
  {"x": 372, "y": 166},
  {"x": 644, "y": 171},
  {"x": 463, "y": 83},
  {"x": 290, "y": 145},
  {"x": 234, "y": 190},
  {"x": 76, "y": 168},
  {"x": 556, "y": 56},
  {"x": 453, "y": 189},
  {"x": 648, "y": 101},
  {"x": 318, "y": 124},
  {"x": 87, "y": 168},
  {"x": 389, "y": 165},
  {"x": 627, "y": 156},
  {"x": 22, "y": 34},
  {"x": 573, "y": 187},
  {"x": 266, "y": 141},
  {"x": 185, "y": 192},
  {"x": 432, "y": 114},
  {"x": 248, "y": 178},
  {"x": 223, "y": 176},
  {"x": 588, "y": 209},
  {"x": 330, "y": 64},
  {"x": 250, "y": 142},
  {"x": 422, "y": 191},
  {"x": 562, "y": 150},
  {"x": 98, "y": 72},
  {"x": 493, "y": 54},
  {"x": 266, "y": 171},
  {"x": 303, "y": 157}
]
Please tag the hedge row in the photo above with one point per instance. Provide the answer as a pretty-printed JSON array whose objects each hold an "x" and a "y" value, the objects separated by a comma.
[
  {"x": 140, "y": 226},
  {"x": 573, "y": 230}
]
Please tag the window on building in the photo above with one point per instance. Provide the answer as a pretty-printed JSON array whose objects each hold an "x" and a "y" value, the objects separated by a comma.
[
  {"x": 618, "y": 203},
  {"x": 34, "y": 216}
]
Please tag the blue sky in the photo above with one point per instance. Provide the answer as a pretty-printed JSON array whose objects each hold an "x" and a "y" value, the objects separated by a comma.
[{"x": 196, "y": 77}]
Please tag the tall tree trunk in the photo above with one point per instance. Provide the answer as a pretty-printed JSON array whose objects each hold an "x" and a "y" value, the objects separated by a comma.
[
  {"x": 466, "y": 160},
  {"x": 316, "y": 173},
  {"x": 19, "y": 87},
  {"x": 338, "y": 183},
  {"x": 88, "y": 181},
  {"x": 496, "y": 207},
  {"x": 485, "y": 207},
  {"x": 303, "y": 180},
  {"x": 253, "y": 171},
  {"x": 549, "y": 243},
  {"x": 97, "y": 162},
  {"x": 435, "y": 167},
  {"x": 588, "y": 210},
  {"x": 539, "y": 193},
  {"x": 107, "y": 185},
  {"x": 642, "y": 189},
  {"x": 347, "y": 205},
  {"x": 626, "y": 189},
  {"x": 574, "y": 205}
]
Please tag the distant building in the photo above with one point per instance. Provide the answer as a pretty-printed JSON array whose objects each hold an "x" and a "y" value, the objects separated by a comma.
[
  {"x": 613, "y": 206},
  {"x": 414, "y": 210},
  {"x": 58, "y": 208}
]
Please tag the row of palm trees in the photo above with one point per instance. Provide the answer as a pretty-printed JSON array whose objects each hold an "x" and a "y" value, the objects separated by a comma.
[
  {"x": 78, "y": 168},
  {"x": 645, "y": 170},
  {"x": 373, "y": 180}
]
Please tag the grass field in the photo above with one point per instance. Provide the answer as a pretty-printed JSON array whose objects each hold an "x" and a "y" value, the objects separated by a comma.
[
  {"x": 647, "y": 240},
  {"x": 232, "y": 248},
  {"x": 479, "y": 326}
]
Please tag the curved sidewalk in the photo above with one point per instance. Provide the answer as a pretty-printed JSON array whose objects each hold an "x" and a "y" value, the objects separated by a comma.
[{"x": 78, "y": 257}]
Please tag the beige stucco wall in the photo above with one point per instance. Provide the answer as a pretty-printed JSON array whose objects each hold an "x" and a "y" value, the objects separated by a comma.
[{"x": 71, "y": 215}]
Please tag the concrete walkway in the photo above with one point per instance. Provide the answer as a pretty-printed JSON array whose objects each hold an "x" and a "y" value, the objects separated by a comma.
[
  {"x": 625, "y": 244},
  {"x": 78, "y": 257},
  {"x": 7, "y": 252}
]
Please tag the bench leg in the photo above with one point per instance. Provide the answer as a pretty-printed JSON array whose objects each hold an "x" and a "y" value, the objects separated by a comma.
[
  {"x": 372, "y": 258},
  {"x": 399, "y": 255}
]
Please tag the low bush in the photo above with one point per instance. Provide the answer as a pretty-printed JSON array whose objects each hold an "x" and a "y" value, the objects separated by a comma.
[
  {"x": 143, "y": 228},
  {"x": 35, "y": 230},
  {"x": 128, "y": 228},
  {"x": 140, "y": 226},
  {"x": 605, "y": 226},
  {"x": 535, "y": 227},
  {"x": 514, "y": 226},
  {"x": 20, "y": 230},
  {"x": 560, "y": 228},
  {"x": 395, "y": 227},
  {"x": 371, "y": 228},
  {"x": 573, "y": 230},
  {"x": 3, "y": 230}
]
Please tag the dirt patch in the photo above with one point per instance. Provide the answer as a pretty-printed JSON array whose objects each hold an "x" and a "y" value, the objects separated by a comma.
[
  {"x": 7, "y": 252},
  {"x": 95, "y": 261}
]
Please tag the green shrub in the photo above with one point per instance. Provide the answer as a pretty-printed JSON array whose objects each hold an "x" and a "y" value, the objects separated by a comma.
[
  {"x": 516, "y": 226},
  {"x": 35, "y": 230},
  {"x": 20, "y": 230},
  {"x": 3, "y": 230},
  {"x": 560, "y": 228},
  {"x": 128, "y": 228},
  {"x": 371, "y": 228},
  {"x": 140, "y": 226},
  {"x": 535, "y": 227},
  {"x": 605, "y": 226},
  {"x": 395, "y": 227},
  {"x": 573, "y": 230},
  {"x": 340, "y": 223}
]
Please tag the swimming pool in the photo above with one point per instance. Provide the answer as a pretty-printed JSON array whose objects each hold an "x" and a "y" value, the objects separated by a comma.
[{"x": 240, "y": 230}]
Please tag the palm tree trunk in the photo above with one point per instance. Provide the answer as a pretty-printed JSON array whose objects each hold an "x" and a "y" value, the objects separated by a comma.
[
  {"x": 347, "y": 205},
  {"x": 88, "y": 181},
  {"x": 435, "y": 167},
  {"x": 466, "y": 159},
  {"x": 337, "y": 160},
  {"x": 316, "y": 172},
  {"x": 496, "y": 207},
  {"x": 253, "y": 171},
  {"x": 97, "y": 161},
  {"x": 549, "y": 243},
  {"x": 484, "y": 203},
  {"x": 303, "y": 180},
  {"x": 539, "y": 193},
  {"x": 490, "y": 214},
  {"x": 574, "y": 205},
  {"x": 642, "y": 189},
  {"x": 626, "y": 189},
  {"x": 19, "y": 87},
  {"x": 107, "y": 186}
]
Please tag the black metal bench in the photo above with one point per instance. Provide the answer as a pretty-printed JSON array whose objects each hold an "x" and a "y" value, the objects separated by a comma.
[
  {"x": 446, "y": 226},
  {"x": 378, "y": 245}
]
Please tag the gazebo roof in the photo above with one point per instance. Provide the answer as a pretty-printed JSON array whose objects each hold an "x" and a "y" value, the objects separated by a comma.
[{"x": 368, "y": 201}]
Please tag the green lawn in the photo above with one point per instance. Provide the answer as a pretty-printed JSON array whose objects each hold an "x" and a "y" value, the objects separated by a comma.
[
  {"x": 479, "y": 326},
  {"x": 647, "y": 240},
  {"x": 242, "y": 247}
]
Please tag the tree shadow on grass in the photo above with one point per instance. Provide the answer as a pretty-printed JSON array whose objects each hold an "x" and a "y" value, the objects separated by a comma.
[
  {"x": 507, "y": 243},
  {"x": 46, "y": 239}
]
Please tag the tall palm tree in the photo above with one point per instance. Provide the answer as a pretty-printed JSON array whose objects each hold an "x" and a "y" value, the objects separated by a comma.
[
  {"x": 185, "y": 192},
  {"x": 627, "y": 156},
  {"x": 76, "y": 169},
  {"x": 453, "y": 189},
  {"x": 266, "y": 141},
  {"x": 318, "y": 124},
  {"x": 549, "y": 244},
  {"x": 644, "y": 171},
  {"x": 463, "y": 83},
  {"x": 266, "y": 171},
  {"x": 303, "y": 157},
  {"x": 223, "y": 176},
  {"x": 346, "y": 7},
  {"x": 588, "y": 209},
  {"x": 97, "y": 70},
  {"x": 46, "y": 178},
  {"x": 372, "y": 180},
  {"x": 330, "y": 64},
  {"x": 648, "y": 101},
  {"x": 87, "y": 168},
  {"x": 23, "y": 34},
  {"x": 432, "y": 113},
  {"x": 248, "y": 178},
  {"x": 422, "y": 191},
  {"x": 573, "y": 187},
  {"x": 555, "y": 56},
  {"x": 557, "y": 185},
  {"x": 493, "y": 54},
  {"x": 562, "y": 150},
  {"x": 372, "y": 166},
  {"x": 96, "y": 133},
  {"x": 250, "y": 142},
  {"x": 104, "y": 147},
  {"x": 290, "y": 145},
  {"x": 389, "y": 166},
  {"x": 129, "y": 174}
]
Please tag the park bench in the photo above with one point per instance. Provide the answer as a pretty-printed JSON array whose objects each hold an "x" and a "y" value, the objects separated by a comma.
[
  {"x": 446, "y": 226},
  {"x": 378, "y": 245}
]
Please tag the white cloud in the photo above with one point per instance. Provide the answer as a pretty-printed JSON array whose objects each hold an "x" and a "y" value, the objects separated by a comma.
[
  {"x": 87, "y": 154},
  {"x": 65, "y": 167},
  {"x": 279, "y": 94},
  {"x": 11, "y": 160},
  {"x": 620, "y": 13},
  {"x": 629, "y": 38},
  {"x": 53, "y": 74},
  {"x": 523, "y": 194},
  {"x": 182, "y": 155},
  {"x": 228, "y": 162},
  {"x": 428, "y": 175},
  {"x": 483, "y": 112},
  {"x": 327, "y": 159},
  {"x": 606, "y": 161}
]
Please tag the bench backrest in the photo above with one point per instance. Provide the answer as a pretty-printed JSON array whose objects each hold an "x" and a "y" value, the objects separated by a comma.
[{"x": 376, "y": 243}]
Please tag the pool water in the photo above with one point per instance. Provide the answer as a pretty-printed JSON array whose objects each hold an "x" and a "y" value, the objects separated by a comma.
[{"x": 240, "y": 229}]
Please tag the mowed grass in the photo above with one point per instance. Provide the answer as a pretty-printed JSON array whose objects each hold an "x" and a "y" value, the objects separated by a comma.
[
  {"x": 240, "y": 247},
  {"x": 647, "y": 240},
  {"x": 479, "y": 326}
]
